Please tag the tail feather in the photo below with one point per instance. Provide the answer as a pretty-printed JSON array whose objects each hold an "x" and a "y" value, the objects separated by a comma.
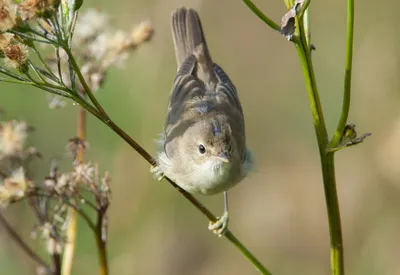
[{"x": 188, "y": 36}]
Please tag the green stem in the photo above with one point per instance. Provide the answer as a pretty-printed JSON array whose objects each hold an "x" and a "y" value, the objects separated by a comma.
[
  {"x": 327, "y": 159},
  {"x": 347, "y": 76},
  {"x": 16, "y": 81},
  {"x": 257, "y": 264},
  {"x": 86, "y": 87},
  {"x": 262, "y": 16},
  {"x": 303, "y": 9},
  {"x": 49, "y": 70},
  {"x": 36, "y": 72}
]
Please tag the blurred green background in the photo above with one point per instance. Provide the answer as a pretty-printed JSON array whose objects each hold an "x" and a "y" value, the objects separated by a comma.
[{"x": 278, "y": 212}]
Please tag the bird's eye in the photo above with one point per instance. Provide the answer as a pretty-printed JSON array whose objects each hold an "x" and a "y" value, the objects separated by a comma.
[{"x": 202, "y": 150}]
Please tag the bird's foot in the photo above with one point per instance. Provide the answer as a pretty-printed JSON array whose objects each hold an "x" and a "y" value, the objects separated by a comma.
[
  {"x": 157, "y": 173},
  {"x": 220, "y": 226}
]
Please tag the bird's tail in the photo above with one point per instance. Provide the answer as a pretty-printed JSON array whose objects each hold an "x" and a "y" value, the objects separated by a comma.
[{"x": 189, "y": 38}]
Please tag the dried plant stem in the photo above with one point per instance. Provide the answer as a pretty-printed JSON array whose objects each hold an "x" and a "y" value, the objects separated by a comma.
[
  {"x": 100, "y": 113},
  {"x": 17, "y": 238},
  {"x": 69, "y": 249},
  {"x": 101, "y": 242}
]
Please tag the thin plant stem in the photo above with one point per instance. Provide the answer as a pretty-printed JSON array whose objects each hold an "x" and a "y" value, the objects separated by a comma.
[
  {"x": 347, "y": 76},
  {"x": 17, "y": 238},
  {"x": 28, "y": 37},
  {"x": 101, "y": 243},
  {"x": 86, "y": 87},
  {"x": 262, "y": 16},
  {"x": 57, "y": 263},
  {"x": 257, "y": 264},
  {"x": 15, "y": 81},
  {"x": 49, "y": 70},
  {"x": 72, "y": 228},
  {"x": 304, "y": 7}
]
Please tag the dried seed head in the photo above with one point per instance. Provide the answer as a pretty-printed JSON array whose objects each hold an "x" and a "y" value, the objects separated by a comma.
[
  {"x": 83, "y": 173},
  {"x": 53, "y": 246},
  {"x": 13, "y": 135},
  {"x": 142, "y": 33},
  {"x": 75, "y": 144},
  {"x": 8, "y": 15},
  {"x": 89, "y": 25},
  {"x": 63, "y": 183},
  {"x": 17, "y": 184},
  {"x": 30, "y": 9},
  {"x": 16, "y": 56},
  {"x": 5, "y": 40}
]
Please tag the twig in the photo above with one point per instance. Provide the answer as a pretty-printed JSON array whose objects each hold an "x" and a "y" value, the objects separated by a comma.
[
  {"x": 101, "y": 240},
  {"x": 347, "y": 76},
  {"x": 22, "y": 244},
  {"x": 262, "y": 16}
]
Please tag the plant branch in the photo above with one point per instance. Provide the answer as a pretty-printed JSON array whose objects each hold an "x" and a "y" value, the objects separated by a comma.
[
  {"x": 262, "y": 16},
  {"x": 347, "y": 76},
  {"x": 15, "y": 236},
  {"x": 86, "y": 87},
  {"x": 101, "y": 240}
]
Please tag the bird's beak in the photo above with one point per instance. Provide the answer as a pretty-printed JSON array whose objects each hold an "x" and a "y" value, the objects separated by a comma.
[{"x": 224, "y": 156}]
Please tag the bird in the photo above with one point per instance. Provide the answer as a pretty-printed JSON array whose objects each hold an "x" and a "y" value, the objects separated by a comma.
[{"x": 203, "y": 145}]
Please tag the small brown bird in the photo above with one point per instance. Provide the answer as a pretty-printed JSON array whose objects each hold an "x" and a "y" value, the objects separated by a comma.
[{"x": 203, "y": 147}]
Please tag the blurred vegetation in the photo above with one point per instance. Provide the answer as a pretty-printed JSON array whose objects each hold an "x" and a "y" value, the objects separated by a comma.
[{"x": 279, "y": 211}]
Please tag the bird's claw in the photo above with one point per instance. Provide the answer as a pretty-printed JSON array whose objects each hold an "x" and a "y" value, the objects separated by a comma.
[
  {"x": 157, "y": 173},
  {"x": 220, "y": 226}
]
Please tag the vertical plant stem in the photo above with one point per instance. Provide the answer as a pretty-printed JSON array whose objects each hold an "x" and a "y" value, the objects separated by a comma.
[
  {"x": 101, "y": 242},
  {"x": 69, "y": 249},
  {"x": 347, "y": 76},
  {"x": 327, "y": 159}
]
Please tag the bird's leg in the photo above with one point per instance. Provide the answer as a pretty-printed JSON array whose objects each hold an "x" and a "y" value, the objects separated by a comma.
[{"x": 219, "y": 227}]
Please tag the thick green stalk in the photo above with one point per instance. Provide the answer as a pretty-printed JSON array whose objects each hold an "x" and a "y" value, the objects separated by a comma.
[{"x": 327, "y": 159}]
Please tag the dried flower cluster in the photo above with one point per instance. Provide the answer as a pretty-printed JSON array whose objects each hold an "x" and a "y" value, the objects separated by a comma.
[
  {"x": 13, "y": 156},
  {"x": 82, "y": 188},
  {"x": 82, "y": 49},
  {"x": 15, "y": 54},
  {"x": 98, "y": 46}
]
